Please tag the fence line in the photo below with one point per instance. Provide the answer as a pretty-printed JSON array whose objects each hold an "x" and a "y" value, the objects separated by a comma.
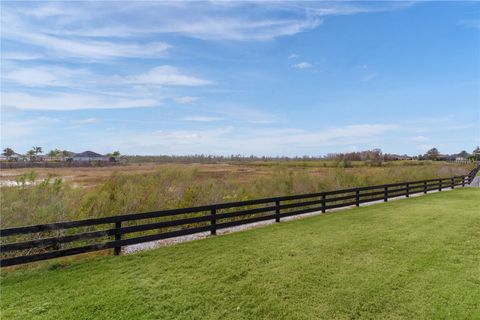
[{"x": 48, "y": 241}]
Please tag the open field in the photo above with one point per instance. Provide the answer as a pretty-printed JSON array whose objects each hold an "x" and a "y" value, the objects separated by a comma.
[
  {"x": 49, "y": 195},
  {"x": 415, "y": 258},
  {"x": 90, "y": 177}
]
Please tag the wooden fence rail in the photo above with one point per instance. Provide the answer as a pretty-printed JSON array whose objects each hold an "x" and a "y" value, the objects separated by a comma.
[{"x": 47, "y": 241}]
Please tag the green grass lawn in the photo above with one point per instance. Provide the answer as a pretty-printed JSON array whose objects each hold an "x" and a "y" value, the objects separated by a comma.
[{"x": 417, "y": 258}]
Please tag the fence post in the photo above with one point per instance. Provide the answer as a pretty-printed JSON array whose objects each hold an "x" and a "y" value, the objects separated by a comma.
[
  {"x": 425, "y": 187},
  {"x": 408, "y": 190},
  {"x": 357, "y": 198},
  {"x": 439, "y": 184},
  {"x": 463, "y": 181},
  {"x": 213, "y": 222},
  {"x": 385, "y": 194},
  {"x": 453, "y": 183},
  {"x": 277, "y": 211},
  {"x": 323, "y": 203},
  {"x": 118, "y": 236}
]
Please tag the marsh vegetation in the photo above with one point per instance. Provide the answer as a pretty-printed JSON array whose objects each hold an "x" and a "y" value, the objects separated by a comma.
[{"x": 49, "y": 195}]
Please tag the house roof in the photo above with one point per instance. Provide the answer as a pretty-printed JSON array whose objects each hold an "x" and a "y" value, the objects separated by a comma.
[{"x": 89, "y": 154}]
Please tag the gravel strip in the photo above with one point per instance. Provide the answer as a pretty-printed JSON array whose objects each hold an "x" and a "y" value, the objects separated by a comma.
[
  {"x": 202, "y": 235},
  {"x": 475, "y": 183}
]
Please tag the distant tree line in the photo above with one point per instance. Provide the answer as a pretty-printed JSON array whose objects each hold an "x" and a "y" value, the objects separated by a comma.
[
  {"x": 374, "y": 156},
  {"x": 435, "y": 154}
]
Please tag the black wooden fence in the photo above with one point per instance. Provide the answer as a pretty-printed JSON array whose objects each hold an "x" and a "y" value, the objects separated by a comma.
[{"x": 47, "y": 241}]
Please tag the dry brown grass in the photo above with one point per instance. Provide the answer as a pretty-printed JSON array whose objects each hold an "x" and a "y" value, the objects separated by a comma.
[{"x": 76, "y": 193}]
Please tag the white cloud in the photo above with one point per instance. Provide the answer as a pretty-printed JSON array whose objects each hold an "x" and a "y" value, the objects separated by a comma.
[
  {"x": 421, "y": 139},
  {"x": 62, "y": 47},
  {"x": 45, "y": 76},
  {"x": 166, "y": 75},
  {"x": 21, "y": 56},
  {"x": 293, "y": 56},
  {"x": 86, "y": 121},
  {"x": 424, "y": 147},
  {"x": 186, "y": 99},
  {"x": 67, "y": 28},
  {"x": 232, "y": 140},
  {"x": 45, "y": 32},
  {"x": 243, "y": 114},
  {"x": 15, "y": 130},
  {"x": 302, "y": 65},
  {"x": 202, "y": 119},
  {"x": 67, "y": 101},
  {"x": 369, "y": 77}
]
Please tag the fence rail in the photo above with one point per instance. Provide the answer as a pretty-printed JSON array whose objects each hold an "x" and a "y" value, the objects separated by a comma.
[{"x": 26, "y": 244}]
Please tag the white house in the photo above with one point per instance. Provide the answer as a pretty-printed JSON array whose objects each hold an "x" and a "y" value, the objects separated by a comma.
[{"x": 89, "y": 156}]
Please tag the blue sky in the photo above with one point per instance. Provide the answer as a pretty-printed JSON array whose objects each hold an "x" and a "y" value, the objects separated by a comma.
[{"x": 281, "y": 78}]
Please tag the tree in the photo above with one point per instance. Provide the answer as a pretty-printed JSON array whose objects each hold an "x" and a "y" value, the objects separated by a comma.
[
  {"x": 432, "y": 154},
  {"x": 31, "y": 153},
  {"x": 54, "y": 153},
  {"x": 37, "y": 150},
  {"x": 116, "y": 154},
  {"x": 464, "y": 154},
  {"x": 8, "y": 152},
  {"x": 66, "y": 153}
]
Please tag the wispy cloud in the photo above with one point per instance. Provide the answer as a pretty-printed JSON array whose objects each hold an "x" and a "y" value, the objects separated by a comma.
[
  {"x": 166, "y": 75},
  {"x": 65, "y": 88},
  {"x": 17, "y": 130},
  {"x": 424, "y": 147},
  {"x": 293, "y": 56},
  {"x": 45, "y": 76},
  {"x": 186, "y": 99},
  {"x": 69, "y": 28},
  {"x": 240, "y": 140},
  {"x": 67, "y": 101},
  {"x": 54, "y": 46},
  {"x": 202, "y": 119},
  {"x": 421, "y": 139},
  {"x": 470, "y": 23},
  {"x": 86, "y": 121},
  {"x": 302, "y": 65},
  {"x": 368, "y": 77}
]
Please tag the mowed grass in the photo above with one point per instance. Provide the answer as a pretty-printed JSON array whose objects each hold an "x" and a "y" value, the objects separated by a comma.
[{"x": 417, "y": 258}]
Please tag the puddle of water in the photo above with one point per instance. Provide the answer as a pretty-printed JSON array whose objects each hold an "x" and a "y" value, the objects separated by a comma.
[
  {"x": 14, "y": 183},
  {"x": 8, "y": 174}
]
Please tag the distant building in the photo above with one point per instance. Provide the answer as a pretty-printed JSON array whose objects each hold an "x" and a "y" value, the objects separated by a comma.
[
  {"x": 13, "y": 157},
  {"x": 476, "y": 155},
  {"x": 461, "y": 159},
  {"x": 89, "y": 156},
  {"x": 445, "y": 157}
]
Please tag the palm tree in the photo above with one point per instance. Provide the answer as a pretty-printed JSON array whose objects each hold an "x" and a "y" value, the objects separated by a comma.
[
  {"x": 54, "y": 153},
  {"x": 31, "y": 154},
  {"x": 37, "y": 150}
]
